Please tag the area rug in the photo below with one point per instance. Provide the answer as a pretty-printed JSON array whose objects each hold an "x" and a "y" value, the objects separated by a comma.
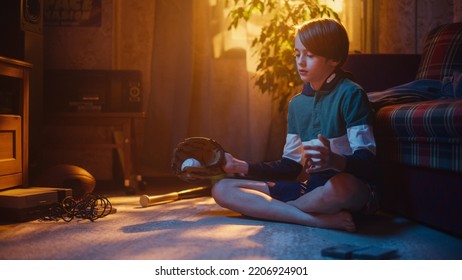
[{"x": 198, "y": 229}]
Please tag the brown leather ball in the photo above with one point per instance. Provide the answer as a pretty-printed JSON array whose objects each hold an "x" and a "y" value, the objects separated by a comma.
[{"x": 69, "y": 176}]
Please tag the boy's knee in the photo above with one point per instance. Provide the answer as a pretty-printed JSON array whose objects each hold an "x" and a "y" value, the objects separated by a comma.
[
  {"x": 344, "y": 186},
  {"x": 219, "y": 191},
  {"x": 347, "y": 190}
]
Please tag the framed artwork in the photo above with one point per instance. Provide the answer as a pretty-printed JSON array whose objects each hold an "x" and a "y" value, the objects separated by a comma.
[{"x": 72, "y": 13}]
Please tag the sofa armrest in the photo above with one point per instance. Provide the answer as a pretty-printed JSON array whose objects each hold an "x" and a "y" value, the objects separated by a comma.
[{"x": 376, "y": 72}]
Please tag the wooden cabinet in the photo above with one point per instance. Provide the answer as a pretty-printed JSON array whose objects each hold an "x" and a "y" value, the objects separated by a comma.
[{"x": 14, "y": 122}]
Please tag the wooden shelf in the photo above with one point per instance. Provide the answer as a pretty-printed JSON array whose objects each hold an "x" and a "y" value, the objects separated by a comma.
[{"x": 121, "y": 126}]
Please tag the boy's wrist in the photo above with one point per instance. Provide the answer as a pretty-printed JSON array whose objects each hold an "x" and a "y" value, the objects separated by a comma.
[
  {"x": 339, "y": 162},
  {"x": 240, "y": 166},
  {"x": 235, "y": 166}
]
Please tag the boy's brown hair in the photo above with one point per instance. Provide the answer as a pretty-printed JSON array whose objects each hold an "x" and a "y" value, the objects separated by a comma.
[{"x": 325, "y": 37}]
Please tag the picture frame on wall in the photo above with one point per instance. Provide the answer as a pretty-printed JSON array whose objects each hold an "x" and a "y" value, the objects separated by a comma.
[{"x": 83, "y": 13}]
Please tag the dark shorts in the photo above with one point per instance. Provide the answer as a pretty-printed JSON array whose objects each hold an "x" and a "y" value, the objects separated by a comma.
[{"x": 291, "y": 190}]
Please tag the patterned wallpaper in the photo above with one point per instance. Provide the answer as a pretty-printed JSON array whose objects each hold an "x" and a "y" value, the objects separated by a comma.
[
  {"x": 404, "y": 23},
  {"x": 86, "y": 47}
]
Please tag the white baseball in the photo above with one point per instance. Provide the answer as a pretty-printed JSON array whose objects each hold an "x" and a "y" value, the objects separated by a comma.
[{"x": 190, "y": 162}]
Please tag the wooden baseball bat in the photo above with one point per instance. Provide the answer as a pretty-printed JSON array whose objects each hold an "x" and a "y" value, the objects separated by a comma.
[{"x": 146, "y": 200}]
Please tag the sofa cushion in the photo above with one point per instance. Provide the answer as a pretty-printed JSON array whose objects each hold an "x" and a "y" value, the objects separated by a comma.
[
  {"x": 418, "y": 90},
  {"x": 424, "y": 134},
  {"x": 442, "y": 52},
  {"x": 452, "y": 85}
]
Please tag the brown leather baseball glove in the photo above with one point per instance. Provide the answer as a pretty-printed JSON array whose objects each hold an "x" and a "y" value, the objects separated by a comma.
[{"x": 209, "y": 154}]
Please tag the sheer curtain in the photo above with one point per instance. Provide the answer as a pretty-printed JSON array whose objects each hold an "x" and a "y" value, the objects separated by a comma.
[{"x": 201, "y": 86}]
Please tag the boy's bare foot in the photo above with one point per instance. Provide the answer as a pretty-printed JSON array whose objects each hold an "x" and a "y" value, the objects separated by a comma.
[{"x": 341, "y": 220}]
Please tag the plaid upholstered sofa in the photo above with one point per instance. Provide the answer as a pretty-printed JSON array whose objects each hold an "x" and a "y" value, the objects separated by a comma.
[{"x": 418, "y": 103}]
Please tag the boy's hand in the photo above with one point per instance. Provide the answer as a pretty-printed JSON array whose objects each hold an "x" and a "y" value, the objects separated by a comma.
[
  {"x": 320, "y": 157},
  {"x": 235, "y": 166}
]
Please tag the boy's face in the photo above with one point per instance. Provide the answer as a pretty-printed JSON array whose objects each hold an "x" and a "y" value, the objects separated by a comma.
[{"x": 312, "y": 68}]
